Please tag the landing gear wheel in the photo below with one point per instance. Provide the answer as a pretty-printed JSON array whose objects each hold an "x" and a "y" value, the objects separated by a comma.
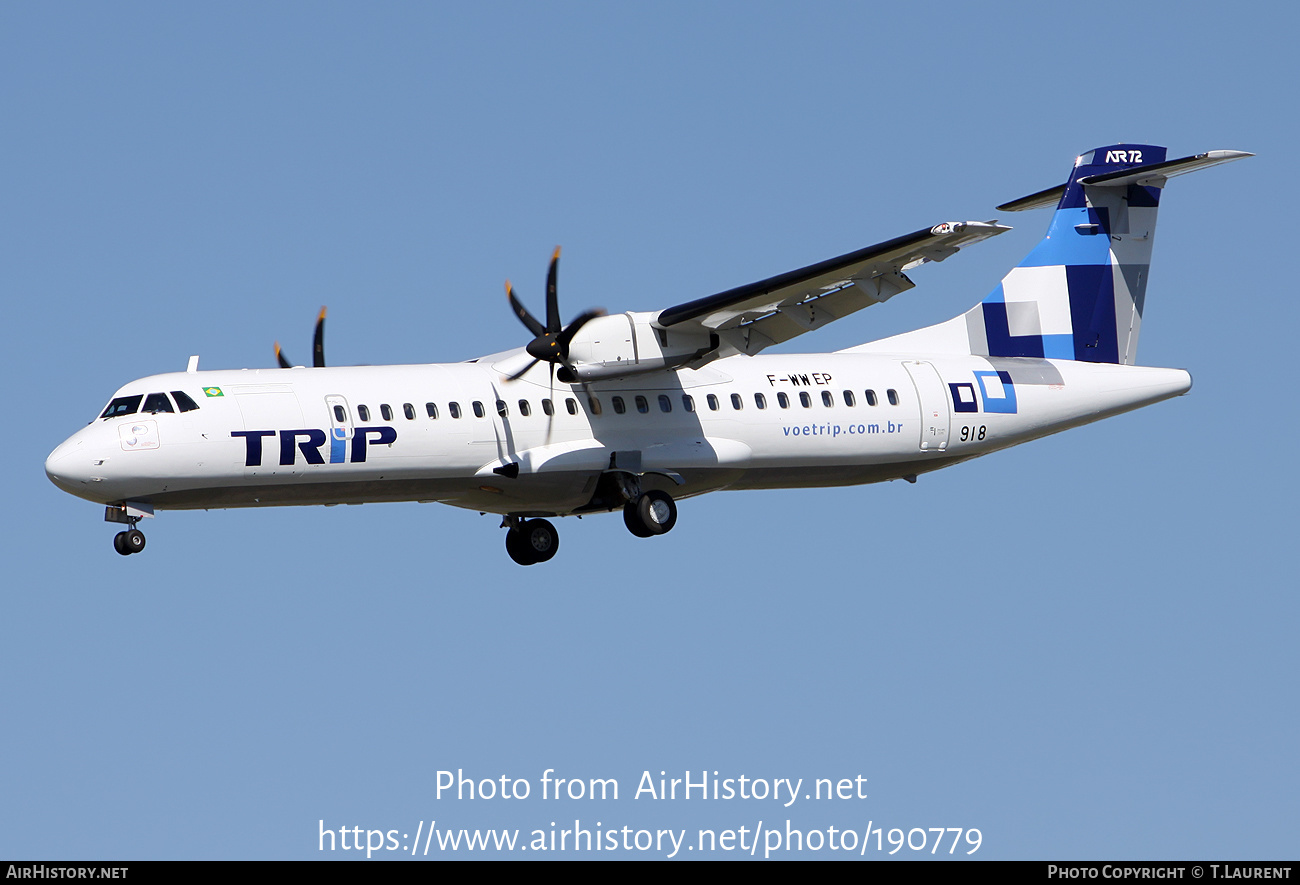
[
  {"x": 515, "y": 547},
  {"x": 128, "y": 542},
  {"x": 532, "y": 542},
  {"x": 632, "y": 519},
  {"x": 654, "y": 513},
  {"x": 541, "y": 538}
]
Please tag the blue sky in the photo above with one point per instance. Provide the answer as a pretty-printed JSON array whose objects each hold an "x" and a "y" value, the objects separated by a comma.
[{"x": 1083, "y": 647}]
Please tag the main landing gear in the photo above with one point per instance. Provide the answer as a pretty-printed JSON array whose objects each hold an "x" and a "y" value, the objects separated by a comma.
[
  {"x": 650, "y": 513},
  {"x": 646, "y": 514},
  {"x": 531, "y": 541}
]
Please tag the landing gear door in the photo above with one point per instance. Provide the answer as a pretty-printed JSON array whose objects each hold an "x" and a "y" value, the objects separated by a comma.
[
  {"x": 340, "y": 427},
  {"x": 933, "y": 398}
]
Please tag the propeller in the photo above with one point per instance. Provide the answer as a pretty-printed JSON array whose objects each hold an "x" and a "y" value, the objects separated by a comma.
[
  {"x": 318, "y": 346},
  {"x": 551, "y": 341}
]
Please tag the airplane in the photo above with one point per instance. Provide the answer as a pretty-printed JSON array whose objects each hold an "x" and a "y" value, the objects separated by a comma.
[{"x": 635, "y": 411}]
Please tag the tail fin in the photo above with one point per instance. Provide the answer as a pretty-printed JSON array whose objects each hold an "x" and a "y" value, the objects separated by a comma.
[{"x": 1079, "y": 294}]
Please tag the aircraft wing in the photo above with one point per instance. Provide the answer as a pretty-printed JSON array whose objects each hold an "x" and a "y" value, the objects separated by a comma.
[{"x": 749, "y": 318}]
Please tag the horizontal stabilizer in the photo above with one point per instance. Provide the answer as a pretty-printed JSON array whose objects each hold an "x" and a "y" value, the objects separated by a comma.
[
  {"x": 1155, "y": 174},
  {"x": 1040, "y": 200},
  {"x": 1149, "y": 175},
  {"x": 1080, "y": 293}
]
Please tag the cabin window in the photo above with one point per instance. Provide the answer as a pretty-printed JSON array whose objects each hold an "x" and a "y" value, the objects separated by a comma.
[
  {"x": 688, "y": 403},
  {"x": 548, "y": 408},
  {"x": 123, "y": 405},
  {"x": 848, "y": 398},
  {"x": 453, "y": 409},
  {"x": 828, "y": 398},
  {"x": 619, "y": 406},
  {"x": 805, "y": 400},
  {"x": 157, "y": 402},
  {"x": 340, "y": 416},
  {"x": 478, "y": 409},
  {"x": 641, "y": 405},
  {"x": 184, "y": 402},
  {"x": 782, "y": 400},
  {"x": 524, "y": 408},
  {"x": 363, "y": 412},
  {"x": 893, "y": 396},
  {"x": 665, "y": 404},
  {"x": 572, "y": 405},
  {"x": 736, "y": 402},
  {"x": 593, "y": 404},
  {"x": 713, "y": 403},
  {"x": 871, "y": 397},
  {"x": 387, "y": 411},
  {"x": 409, "y": 411},
  {"x": 502, "y": 409},
  {"x": 760, "y": 401},
  {"x": 430, "y": 409}
]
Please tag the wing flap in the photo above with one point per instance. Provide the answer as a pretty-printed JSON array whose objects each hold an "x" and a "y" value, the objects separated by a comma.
[{"x": 753, "y": 317}]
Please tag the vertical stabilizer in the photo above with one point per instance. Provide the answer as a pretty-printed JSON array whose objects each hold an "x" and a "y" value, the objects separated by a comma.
[{"x": 1079, "y": 295}]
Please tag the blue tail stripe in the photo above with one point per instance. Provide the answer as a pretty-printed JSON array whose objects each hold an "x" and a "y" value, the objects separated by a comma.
[
  {"x": 1064, "y": 244},
  {"x": 1145, "y": 197},
  {"x": 1058, "y": 347},
  {"x": 1112, "y": 158},
  {"x": 1092, "y": 314},
  {"x": 1061, "y": 299},
  {"x": 1000, "y": 340}
]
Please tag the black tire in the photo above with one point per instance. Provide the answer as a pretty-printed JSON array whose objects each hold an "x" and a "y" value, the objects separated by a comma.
[
  {"x": 517, "y": 548},
  {"x": 656, "y": 512},
  {"x": 541, "y": 539},
  {"x": 119, "y": 544},
  {"x": 632, "y": 519},
  {"x": 134, "y": 541}
]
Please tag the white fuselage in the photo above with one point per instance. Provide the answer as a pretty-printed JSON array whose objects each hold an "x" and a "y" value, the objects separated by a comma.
[{"x": 266, "y": 437}]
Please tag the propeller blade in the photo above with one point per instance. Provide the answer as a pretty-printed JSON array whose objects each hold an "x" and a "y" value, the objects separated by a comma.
[
  {"x": 570, "y": 330},
  {"x": 522, "y": 312},
  {"x": 550, "y": 342},
  {"x": 280, "y": 358},
  {"x": 550, "y": 419},
  {"x": 552, "y": 294},
  {"x": 318, "y": 346}
]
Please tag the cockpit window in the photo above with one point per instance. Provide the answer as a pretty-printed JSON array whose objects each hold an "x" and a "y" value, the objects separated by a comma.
[
  {"x": 123, "y": 405},
  {"x": 157, "y": 402},
  {"x": 183, "y": 401}
]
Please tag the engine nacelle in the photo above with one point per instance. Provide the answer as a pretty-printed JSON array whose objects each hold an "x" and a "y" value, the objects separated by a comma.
[{"x": 629, "y": 344}]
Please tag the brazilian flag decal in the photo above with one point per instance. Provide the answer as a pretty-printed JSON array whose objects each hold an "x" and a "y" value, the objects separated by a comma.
[{"x": 213, "y": 391}]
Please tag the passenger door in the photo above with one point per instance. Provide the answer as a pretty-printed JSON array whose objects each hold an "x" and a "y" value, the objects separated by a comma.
[{"x": 933, "y": 397}]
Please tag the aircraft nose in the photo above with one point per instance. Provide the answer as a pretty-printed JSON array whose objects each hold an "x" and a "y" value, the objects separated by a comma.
[{"x": 65, "y": 469}]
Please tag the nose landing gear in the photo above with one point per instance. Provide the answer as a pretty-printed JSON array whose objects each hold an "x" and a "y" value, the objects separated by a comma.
[
  {"x": 130, "y": 513},
  {"x": 128, "y": 542}
]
